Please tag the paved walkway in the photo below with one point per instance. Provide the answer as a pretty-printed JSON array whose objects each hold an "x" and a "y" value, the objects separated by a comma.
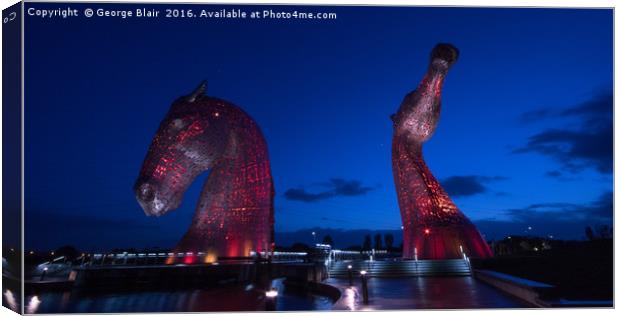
[{"x": 421, "y": 293}]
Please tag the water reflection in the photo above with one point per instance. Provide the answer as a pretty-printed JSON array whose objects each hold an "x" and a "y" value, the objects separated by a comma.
[
  {"x": 9, "y": 299},
  {"x": 33, "y": 305},
  {"x": 349, "y": 298},
  {"x": 238, "y": 298}
]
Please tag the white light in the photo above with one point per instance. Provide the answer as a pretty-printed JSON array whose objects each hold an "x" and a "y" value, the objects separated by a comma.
[
  {"x": 45, "y": 269},
  {"x": 349, "y": 267},
  {"x": 10, "y": 299},
  {"x": 350, "y": 299},
  {"x": 363, "y": 272},
  {"x": 529, "y": 228},
  {"x": 271, "y": 293},
  {"x": 33, "y": 305}
]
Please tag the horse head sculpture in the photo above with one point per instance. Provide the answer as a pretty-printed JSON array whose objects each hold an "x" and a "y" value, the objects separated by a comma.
[
  {"x": 433, "y": 226},
  {"x": 235, "y": 212}
]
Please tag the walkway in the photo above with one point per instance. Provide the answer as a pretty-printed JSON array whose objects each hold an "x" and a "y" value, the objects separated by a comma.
[{"x": 421, "y": 293}]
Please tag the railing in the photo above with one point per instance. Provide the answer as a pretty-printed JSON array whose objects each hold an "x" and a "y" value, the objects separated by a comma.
[
  {"x": 466, "y": 258},
  {"x": 186, "y": 258}
]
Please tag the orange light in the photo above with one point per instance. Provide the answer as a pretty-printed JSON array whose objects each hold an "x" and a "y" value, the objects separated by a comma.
[{"x": 211, "y": 257}]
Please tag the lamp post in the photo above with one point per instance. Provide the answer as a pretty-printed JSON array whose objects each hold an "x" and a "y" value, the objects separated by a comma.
[
  {"x": 272, "y": 296},
  {"x": 314, "y": 237},
  {"x": 43, "y": 274},
  {"x": 364, "y": 286},
  {"x": 350, "y": 275}
]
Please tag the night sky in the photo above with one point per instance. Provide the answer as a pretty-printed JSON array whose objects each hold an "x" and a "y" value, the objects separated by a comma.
[{"x": 525, "y": 136}]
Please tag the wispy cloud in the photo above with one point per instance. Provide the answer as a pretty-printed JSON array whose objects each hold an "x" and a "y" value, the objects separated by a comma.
[
  {"x": 468, "y": 185},
  {"x": 565, "y": 220},
  {"x": 333, "y": 188},
  {"x": 588, "y": 146}
]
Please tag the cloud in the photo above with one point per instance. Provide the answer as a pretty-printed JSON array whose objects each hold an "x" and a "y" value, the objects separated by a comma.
[
  {"x": 467, "y": 185},
  {"x": 588, "y": 146},
  {"x": 599, "y": 106},
  {"x": 561, "y": 176},
  {"x": 304, "y": 196},
  {"x": 553, "y": 174},
  {"x": 333, "y": 188},
  {"x": 599, "y": 209},
  {"x": 564, "y": 220},
  {"x": 347, "y": 187}
]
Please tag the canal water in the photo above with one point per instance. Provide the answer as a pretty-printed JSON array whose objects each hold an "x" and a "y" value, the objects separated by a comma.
[{"x": 228, "y": 298}]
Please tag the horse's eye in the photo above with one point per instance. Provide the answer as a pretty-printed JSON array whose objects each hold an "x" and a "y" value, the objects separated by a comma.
[{"x": 177, "y": 124}]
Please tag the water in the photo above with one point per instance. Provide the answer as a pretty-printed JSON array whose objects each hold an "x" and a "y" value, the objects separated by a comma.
[{"x": 228, "y": 298}]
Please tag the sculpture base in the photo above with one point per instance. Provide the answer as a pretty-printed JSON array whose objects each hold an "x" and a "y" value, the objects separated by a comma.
[{"x": 444, "y": 242}]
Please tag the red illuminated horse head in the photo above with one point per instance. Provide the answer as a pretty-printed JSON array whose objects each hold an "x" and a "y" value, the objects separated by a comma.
[
  {"x": 235, "y": 211},
  {"x": 433, "y": 226}
]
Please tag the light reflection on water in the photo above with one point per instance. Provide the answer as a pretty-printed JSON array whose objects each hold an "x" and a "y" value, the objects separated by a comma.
[
  {"x": 33, "y": 304},
  {"x": 195, "y": 300},
  {"x": 9, "y": 298}
]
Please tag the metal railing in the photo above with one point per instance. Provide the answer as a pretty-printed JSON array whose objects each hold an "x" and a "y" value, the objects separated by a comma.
[{"x": 183, "y": 258}]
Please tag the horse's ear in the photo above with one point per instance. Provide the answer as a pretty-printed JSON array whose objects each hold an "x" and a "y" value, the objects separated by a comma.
[{"x": 200, "y": 90}]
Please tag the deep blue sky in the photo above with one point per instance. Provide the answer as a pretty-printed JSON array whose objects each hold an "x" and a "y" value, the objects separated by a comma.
[{"x": 524, "y": 138}]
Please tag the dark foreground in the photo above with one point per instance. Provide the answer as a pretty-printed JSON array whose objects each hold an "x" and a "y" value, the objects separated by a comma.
[
  {"x": 225, "y": 298},
  {"x": 578, "y": 270}
]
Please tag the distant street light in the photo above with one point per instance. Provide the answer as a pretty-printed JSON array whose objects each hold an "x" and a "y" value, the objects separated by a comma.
[
  {"x": 314, "y": 237},
  {"x": 350, "y": 267},
  {"x": 43, "y": 274},
  {"x": 364, "y": 286}
]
